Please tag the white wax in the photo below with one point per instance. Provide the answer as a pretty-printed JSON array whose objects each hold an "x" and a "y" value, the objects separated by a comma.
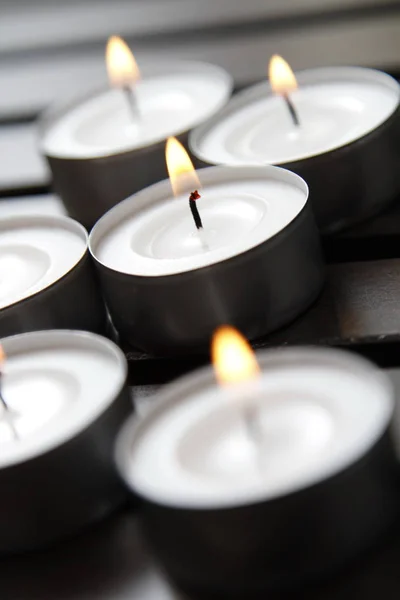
[
  {"x": 335, "y": 106},
  {"x": 154, "y": 234},
  {"x": 35, "y": 252},
  {"x": 318, "y": 411},
  {"x": 55, "y": 383},
  {"x": 170, "y": 102}
]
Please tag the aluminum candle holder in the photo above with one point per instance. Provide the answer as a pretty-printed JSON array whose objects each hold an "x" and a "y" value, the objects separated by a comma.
[
  {"x": 66, "y": 398},
  {"x": 99, "y": 154},
  {"x": 233, "y": 515},
  {"x": 257, "y": 263},
  {"x": 47, "y": 276},
  {"x": 348, "y": 155}
]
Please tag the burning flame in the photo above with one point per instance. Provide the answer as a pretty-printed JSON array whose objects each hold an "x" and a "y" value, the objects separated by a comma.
[
  {"x": 180, "y": 169},
  {"x": 281, "y": 76},
  {"x": 121, "y": 65},
  {"x": 233, "y": 359},
  {"x": 2, "y": 357}
]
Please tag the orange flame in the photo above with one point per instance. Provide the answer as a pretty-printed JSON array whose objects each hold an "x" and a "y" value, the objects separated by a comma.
[
  {"x": 281, "y": 76},
  {"x": 2, "y": 356},
  {"x": 233, "y": 359},
  {"x": 180, "y": 168},
  {"x": 121, "y": 65}
]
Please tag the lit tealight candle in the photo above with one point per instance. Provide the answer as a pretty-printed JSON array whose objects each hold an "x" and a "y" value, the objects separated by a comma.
[
  {"x": 46, "y": 276},
  {"x": 341, "y": 134},
  {"x": 236, "y": 480},
  {"x": 235, "y": 246},
  {"x": 63, "y": 399},
  {"x": 123, "y": 72},
  {"x": 104, "y": 147}
]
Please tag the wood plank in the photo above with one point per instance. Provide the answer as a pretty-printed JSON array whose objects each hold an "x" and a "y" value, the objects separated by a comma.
[
  {"x": 29, "y": 83},
  {"x": 46, "y": 204},
  {"x": 358, "y": 308},
  {"x": 48, "y": 25},
  {"x": 377, "y": 238},
  {"x": 22, "y": 168}
]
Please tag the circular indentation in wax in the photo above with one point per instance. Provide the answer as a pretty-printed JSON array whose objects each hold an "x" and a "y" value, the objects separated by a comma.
[
  {"x": 274, "y": 138},
  {"x": 335, "y": 107},
  {"x": 258, "y": 438},
  {"x": 34, "y": 398},
  {"x": 115, "y": 123},
  {"x": 318, "y": 412},
  {"x": 167, "y": 103},
  {"x": 172, "y": 234},
  {"x": 21, "y": 267}
]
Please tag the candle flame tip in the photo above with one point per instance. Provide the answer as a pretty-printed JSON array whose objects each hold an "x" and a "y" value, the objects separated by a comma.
[
  {"x": 233, "y": 358},
  {"x": 281, "y": 76},
  {"x": 180, "y": 168},
  {"x": 121, "y": 65}
]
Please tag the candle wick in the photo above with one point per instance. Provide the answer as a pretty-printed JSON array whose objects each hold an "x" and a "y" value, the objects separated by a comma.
[
  {"x": 7, "y": 411},
  {"x": 2, "y": 400},
  {"x": 253, "y": 430},
  {"x": 291, "y": 108},
  {"x": 251, "y": 420},
  {"x": 197, "y": 219},
  {"x": 194, "y": 210},
  {"x": 132, "y": 102}
]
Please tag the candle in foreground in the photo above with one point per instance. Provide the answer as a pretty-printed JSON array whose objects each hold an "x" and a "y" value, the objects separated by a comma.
[
  {"x": 105, "y": 146},
  {"x": 345, "y": 143},
  {"x": 236, "y": 480},
  {"x": 237, "y": 245},
  {"x": 64, "y": 398}
]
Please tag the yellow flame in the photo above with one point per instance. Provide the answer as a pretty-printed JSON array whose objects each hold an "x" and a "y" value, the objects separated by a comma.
[
  {"x": 121, "y": 65},
  {"x": 281, "y": 76},
  {"x": 233, "y": 359},
  {"x": 180, "y": 168}
]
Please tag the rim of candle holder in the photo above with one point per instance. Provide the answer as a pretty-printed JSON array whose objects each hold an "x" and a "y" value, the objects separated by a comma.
[
  {"x": 58, "y": 110},
  {"x": 264, "y": 89},
  {"x": 175, "y": 392},
  {"x": 121, "y": 211},
  {"x": 51, "y": 220},
  {"x": 65, "y": 338}
]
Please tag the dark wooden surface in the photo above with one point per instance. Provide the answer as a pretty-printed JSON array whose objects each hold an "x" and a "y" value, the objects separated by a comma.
[{"x": 358, "y": 308}]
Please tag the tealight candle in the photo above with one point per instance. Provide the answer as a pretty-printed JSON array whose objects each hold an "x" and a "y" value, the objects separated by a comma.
[
  {"x": 268, "y": 482},
  {"x": 46, "y": 276},
  {"x": 169, "y": 282},
  {"x": 345, "y": 144},
  {"x": 100, "y": 152},
  {"x": 64, "y": 398}
]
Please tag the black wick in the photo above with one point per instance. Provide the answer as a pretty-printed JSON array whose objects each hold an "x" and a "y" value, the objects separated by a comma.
[
  {"x": 193, "y": 207},
  {"x": 132, "y": 101},
  {"x": 293, "y": 113}
]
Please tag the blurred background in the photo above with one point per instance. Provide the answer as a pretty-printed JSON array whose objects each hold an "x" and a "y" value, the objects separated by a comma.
[
  {"x": 51, "y": 49},
  {"x": 62, "y": 42}
]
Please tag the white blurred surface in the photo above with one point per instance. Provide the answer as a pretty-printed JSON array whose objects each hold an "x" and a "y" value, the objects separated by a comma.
[
  {"x": 46, "y": 204},
  {"x": 21, "y": 165}
]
